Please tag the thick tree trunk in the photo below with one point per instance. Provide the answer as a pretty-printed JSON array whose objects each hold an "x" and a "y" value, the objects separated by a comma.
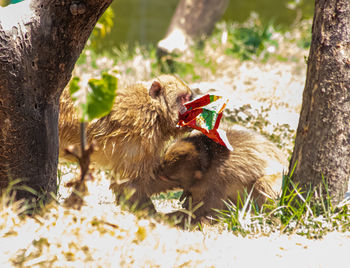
[
  {"x": 322, "y": 146},
  {"x": 191, "y": 20},
  {"x": 37, "y": 57}
]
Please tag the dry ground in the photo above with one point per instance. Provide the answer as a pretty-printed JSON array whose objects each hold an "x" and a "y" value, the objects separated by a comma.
[{"x": 102, "y": 235}]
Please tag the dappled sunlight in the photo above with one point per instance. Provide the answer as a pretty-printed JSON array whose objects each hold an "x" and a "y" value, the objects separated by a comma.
[{"x": 265, "y": 90}]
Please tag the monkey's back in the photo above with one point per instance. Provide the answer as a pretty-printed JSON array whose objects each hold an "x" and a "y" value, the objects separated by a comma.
[
  {"x": 125, "y": 138},
  {"x": 253, "y": 155},
  {"x": 254, "y": 162}
]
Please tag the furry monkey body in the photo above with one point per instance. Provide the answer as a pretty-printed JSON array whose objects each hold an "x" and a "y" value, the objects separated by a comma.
[
  {"x": 131, "y": 137},
  {"x": 209, "y": 173}
]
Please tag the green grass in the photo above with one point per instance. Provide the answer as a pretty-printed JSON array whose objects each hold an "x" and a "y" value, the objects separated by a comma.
[
  {"x": 253, "y": 42},
  {"x": 294, "y": 212}
]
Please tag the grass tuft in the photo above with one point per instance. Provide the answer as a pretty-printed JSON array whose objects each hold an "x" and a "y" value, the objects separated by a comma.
[{"x": 294, "y": 212}]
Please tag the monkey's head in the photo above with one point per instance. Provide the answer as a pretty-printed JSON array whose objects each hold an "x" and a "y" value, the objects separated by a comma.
[
  {"x": 171, "y": 93},
  {"x": 183, "y": 165}
]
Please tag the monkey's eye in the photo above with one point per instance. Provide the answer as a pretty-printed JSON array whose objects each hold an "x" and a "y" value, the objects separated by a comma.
[{"x": 184, "y": 98}]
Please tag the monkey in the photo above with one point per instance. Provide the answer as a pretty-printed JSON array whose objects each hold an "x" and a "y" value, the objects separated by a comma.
[
  {"x": 210, "y": 173},
  {"x": 130, "y": 138}
]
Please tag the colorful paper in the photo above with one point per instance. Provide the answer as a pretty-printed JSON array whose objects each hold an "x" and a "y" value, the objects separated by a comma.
[{"x": 204, "y": 114}]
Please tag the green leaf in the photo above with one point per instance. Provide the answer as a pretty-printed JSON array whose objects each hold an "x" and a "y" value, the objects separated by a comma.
[
  {"x": 102, "y": 28},
  {"x": 95, "y": 98},
  {"x": 100, "y": 98},
  {"x": 4, "y": 3},
  {"x": 74, "y": 86}
]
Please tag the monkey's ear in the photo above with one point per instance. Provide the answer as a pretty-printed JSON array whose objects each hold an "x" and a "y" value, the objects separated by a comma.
[
  {"x": 155, "y": 89},
  {"x": 198, "y": 174}
]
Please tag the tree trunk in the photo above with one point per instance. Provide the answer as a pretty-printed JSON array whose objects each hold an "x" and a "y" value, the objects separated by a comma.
[
  {"x": 191, "y": 20},
  {"x": 37, "y": 56},
  {"x": 322, "y": 146}
]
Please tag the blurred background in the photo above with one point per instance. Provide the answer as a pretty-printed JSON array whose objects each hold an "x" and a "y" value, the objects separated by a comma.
[{"x": 146, "y": 21}]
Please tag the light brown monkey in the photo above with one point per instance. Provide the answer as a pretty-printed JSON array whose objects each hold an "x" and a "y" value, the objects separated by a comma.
[
  {"x": 131, "y": 137},
  {"x": 209, "y": 173}
]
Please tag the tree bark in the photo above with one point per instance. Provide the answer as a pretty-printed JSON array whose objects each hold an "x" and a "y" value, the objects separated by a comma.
[
  {"x": 192, "y": 19},
  {"x": 322, "y": 145},
  {"x": 37, "y": 56}
]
